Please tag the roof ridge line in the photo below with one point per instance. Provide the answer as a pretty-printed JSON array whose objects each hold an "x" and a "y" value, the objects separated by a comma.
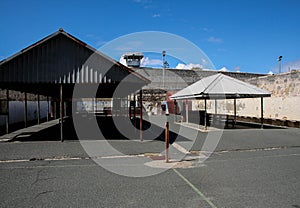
[{"x": 218, "y": 75}]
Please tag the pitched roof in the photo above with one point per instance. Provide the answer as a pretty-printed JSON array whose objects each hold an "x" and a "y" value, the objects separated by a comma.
[
  {"x": 60, "y": 56},
  {"x": 220, "y": 86}
]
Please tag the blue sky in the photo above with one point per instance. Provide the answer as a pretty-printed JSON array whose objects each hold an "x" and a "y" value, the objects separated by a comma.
[{"x": 236, "y": 34}]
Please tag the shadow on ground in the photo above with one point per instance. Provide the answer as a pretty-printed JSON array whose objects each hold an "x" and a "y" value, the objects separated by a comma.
[{"x": 108, "y": 130}]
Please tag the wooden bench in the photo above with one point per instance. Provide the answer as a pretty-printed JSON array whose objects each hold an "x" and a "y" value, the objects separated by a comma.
[{"x": 218, "y": 119}]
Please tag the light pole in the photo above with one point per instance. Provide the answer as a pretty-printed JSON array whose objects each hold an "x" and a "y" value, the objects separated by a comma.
[
  {"x": 163, "y": 62},
  {"x": 279, "y": 64}
]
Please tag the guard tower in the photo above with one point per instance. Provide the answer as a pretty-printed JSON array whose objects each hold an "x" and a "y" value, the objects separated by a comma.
[{"x": 133, "y": 59}]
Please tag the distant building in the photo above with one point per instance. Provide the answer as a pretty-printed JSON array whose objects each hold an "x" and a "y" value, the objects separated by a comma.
[{"x": 133, "y": 59}]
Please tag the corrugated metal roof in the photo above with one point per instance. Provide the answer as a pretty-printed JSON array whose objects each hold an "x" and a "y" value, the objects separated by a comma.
[
  {"x": 220, "y": 86},
  {"x": 62, "y": 58}
]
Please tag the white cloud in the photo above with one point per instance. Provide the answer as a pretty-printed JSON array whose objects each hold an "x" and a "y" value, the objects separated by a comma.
[
  {"x": 146, "y": 61},
  {"x": 270, "y": 73},
  {"x": 205, "y": 29},
  {"x": 224, "y": 69},
  {"x": 204, "y": 61},
  {"x": 123, "y": 61},
  {"x": 237, "y": 69},
  {"x": 155, "y": 15},
  {"x": 214, "y": 40},
  {"x": 189, "y": 66},
  {"x": 180, "y": 66}
]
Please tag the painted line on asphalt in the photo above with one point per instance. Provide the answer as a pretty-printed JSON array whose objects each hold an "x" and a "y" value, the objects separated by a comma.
[
  {"x": 252, "y": 158},
  {"x": 47, "y": 166},
  {"x": 44, "y": 159},
  {"x": 195, "y": 189},
  {"x": 257, "y": 149},
  {"x": 71, "y": 158},
  {"x": 180, "y": 148}
]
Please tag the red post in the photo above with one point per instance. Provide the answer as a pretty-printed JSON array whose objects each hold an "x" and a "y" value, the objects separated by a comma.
[
  {"x": 141, "y": 115},
  {"x": 167, "y": 141}
]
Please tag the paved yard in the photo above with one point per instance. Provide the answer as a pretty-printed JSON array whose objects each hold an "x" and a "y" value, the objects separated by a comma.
[{"x": 250, "y": 168}]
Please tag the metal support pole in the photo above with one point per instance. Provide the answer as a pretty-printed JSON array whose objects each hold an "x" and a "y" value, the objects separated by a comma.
[
  {"x": 205, "y": 114},
  {"x": 234, "y": 106},
  {"x": 38, "y": 109},
  {"x": 52, "y": 109},
  {"x": 175, "y": 111},
  {"x": 25, "y": 110},
  {"x": 262, "y": 112},
  {"x": 167, "y": 141},
  {"x": 55, "y": 109},
  {"x": 61, "y": 112},
  {"x": 279, "y": 64},
  {"x": 186, "y": 111},
  {"x": 163, "y": 78},
  {"x": 134, "y": 110},
  {"x": 216, "y": 106},
  {"x": 216, "y": 112},
  {"x": 95, "y": 104},
  {"x": 7, "y": 116},
  {"x": 141, "y": 115},
  {"x": 163, "y": 68},
  {"x": 129, "y": 105},
  {"x": 48, "y": 108},
  {"x": 65, "y": 108}
]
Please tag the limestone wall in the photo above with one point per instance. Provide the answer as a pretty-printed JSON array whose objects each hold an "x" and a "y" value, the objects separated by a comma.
[
  {"x": 177, "y": 79},
  {"x": 285, "y": 100},
  {"x": 280, "y": 85}
]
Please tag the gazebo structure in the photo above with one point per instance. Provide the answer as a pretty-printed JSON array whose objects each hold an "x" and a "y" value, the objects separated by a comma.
[
  {"x": 54, "y": 65},
  {"x": 220, "y": 86}
]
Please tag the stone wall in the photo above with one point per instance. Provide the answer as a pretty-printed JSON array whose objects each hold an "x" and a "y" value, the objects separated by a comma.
[
  {"x": 177, "y": 79},
  {"x": 285, "y": 100},
  {"x": 280, "y": 85}
]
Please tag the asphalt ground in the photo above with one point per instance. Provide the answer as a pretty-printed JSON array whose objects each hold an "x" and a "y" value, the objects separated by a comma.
[{"x": 249, "y": 168}]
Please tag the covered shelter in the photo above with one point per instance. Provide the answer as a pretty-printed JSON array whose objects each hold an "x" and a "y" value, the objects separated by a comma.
[
  {"x": 56, "y": 64},
  {"x": 221, "y": 86}
]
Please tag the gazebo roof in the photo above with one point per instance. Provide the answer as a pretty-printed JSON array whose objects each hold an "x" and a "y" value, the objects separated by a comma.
[{"x": 220, "y": 86}]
